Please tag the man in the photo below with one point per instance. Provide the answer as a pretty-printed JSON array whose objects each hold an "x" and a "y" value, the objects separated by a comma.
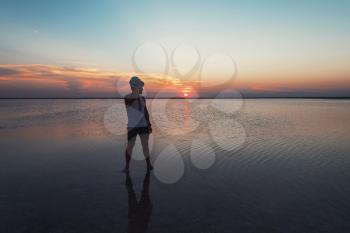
[{"x": 138, "y": 121}]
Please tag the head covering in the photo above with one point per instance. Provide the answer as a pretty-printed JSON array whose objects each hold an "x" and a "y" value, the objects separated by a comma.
[{"x": 135, "y": 82}]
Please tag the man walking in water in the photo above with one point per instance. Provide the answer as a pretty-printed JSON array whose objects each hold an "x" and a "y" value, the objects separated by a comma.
[{"x": 138, "y": 121}]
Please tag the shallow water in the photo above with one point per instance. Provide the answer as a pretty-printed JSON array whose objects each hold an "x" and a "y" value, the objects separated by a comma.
[{"x": 266, "y": 165}]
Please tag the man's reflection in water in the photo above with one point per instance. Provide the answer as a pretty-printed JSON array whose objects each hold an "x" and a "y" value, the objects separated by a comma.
[{"x": 139, "y": 212}]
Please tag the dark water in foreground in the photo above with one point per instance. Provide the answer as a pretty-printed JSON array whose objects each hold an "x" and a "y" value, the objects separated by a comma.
[{"x": 268, "y": 165}]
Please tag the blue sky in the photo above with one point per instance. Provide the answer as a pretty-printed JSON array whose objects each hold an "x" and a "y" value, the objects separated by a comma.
[{"x": 270, "y": 40}]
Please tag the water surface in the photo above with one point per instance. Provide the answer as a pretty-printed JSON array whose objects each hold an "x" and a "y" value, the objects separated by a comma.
[{"x": 266, "y": 165}]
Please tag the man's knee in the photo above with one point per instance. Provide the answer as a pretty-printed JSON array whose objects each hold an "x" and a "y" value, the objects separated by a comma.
[
  {"x": 131, "y": 144},
  {"x": 144, "y": 139}
]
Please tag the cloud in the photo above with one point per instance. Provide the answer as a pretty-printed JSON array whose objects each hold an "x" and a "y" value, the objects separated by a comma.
[
  {"x": 49, "y": 81},
  {"x": 40, "y": 81},
  {"x": 7, "y": 71}
]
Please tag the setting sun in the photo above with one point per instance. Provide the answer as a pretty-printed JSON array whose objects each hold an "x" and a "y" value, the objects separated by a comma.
[{"x": 186, "y": 92}]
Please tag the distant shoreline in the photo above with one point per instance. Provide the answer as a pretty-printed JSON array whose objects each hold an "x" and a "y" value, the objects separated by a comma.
[{"x": 87, "y": 98}]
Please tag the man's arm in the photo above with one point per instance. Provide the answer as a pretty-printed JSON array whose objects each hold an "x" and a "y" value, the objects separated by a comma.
[
  {"x": 128, "y": 101},
  {"x": 147, "y": 114}
]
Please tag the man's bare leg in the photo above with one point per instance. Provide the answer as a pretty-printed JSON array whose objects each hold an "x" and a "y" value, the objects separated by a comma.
[
  {"x": 144, "y": 142},
  {"x": 128, "y": 152}
]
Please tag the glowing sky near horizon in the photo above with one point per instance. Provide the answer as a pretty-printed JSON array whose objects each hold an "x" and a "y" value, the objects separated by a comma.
[{"x": 277, "y": 45}]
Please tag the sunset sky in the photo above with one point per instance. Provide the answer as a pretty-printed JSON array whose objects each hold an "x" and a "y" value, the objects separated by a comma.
[{"x": 86, "y": 48}]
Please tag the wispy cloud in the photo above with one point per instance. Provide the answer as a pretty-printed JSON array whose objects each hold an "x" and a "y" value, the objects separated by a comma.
[
  {"x": 54, "y": 81},
  {"x": 7, "y": 71},
  {"x": 51, "y": 81}
]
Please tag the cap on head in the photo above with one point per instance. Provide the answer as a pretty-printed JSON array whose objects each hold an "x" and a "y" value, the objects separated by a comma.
[{"x": 135, "y": 82}]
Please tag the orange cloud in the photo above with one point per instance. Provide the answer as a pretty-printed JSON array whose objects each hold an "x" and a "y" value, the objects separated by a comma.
[
  {"x": 54, "y": 81},
  {"x": 49, "y": 81}
]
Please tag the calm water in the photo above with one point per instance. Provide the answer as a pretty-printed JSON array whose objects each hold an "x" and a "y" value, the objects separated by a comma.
[{"x": 269, "y": 165}]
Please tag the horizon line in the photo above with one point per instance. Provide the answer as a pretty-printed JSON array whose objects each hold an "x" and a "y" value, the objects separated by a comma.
[{"x": 262, "y": 97}]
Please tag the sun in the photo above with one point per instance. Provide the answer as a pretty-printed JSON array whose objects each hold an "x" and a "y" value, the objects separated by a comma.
[{"x": 186, "y": 91}]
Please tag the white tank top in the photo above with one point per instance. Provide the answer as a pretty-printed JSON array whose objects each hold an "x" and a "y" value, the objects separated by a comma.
[{"x": 136, "y": 113}]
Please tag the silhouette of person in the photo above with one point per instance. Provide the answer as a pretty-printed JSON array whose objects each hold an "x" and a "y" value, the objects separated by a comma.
[
  {"x": 138, "y": 121},
  {"x": 139, "y": 213}
]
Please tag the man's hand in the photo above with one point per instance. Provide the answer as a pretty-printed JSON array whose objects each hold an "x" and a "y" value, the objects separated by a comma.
[{"x": 149, "y": 129}]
